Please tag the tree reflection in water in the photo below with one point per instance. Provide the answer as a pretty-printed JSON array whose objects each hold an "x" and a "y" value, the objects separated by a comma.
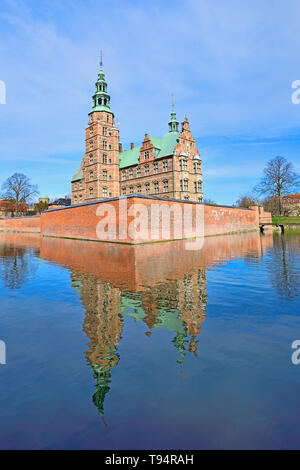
[
  {"x": 284, "y": 266},
  {"x": 16, "y": 265}
]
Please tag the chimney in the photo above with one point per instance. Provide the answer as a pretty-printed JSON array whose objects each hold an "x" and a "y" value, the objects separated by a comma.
[
  {"x": 120, "y": 148},
  {"x": 66, "y": 197},
  {"x": 132, "y": 145}
]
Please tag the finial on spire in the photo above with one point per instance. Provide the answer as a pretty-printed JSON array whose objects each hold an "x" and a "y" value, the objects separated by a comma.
[{"x": 101, "y": 59}]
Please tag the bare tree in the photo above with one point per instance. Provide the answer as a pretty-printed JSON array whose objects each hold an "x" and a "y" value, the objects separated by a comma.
[
  {"x": 18, "y": 188},
  {"x": 279, "y": 179},
  {"x": 247, "y": 200},
  {"x": 271, "y": 204}
]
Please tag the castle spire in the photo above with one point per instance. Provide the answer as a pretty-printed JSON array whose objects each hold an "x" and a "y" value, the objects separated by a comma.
[
  {"x": 173, "y": 123},
  {"x": 101, "y": 99}
]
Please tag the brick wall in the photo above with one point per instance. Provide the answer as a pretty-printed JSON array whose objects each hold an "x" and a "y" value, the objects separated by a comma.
[
  {"x": 221, "y": 220},
  {"x": 131, "y": 220},
  {"x": 81, "y": 221},
  {"x": 21, "y": 224},
  {"x": 265, "y": 217}
]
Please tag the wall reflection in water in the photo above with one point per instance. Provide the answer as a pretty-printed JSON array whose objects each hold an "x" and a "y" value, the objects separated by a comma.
[
  {"x": 162, "y": 285},
  {"x": 15, "y": 262}
]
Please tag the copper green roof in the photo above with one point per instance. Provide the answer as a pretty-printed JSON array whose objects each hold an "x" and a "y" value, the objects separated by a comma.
[
  {"x": 166, "y": 319},
  {"x": 101, "y": 108},
  {"x": 165, "y": 146},
  {"x": 101, "y": 99},
  {"x": 78, "y": 176}
]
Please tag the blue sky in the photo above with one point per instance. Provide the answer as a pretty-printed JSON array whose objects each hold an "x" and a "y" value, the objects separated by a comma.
[{"x": 230, "y": 65}]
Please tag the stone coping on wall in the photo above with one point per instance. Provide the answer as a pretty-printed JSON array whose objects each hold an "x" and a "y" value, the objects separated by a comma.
[
  {"x": 144, "y": 196},
  {"x": 22, "y": 217}
]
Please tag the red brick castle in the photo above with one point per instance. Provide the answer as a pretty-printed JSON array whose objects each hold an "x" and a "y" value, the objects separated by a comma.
[{"x": 168, "y": 167}]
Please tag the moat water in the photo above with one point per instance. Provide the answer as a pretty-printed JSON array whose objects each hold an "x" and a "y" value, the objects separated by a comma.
[{"x": 150, "y": 347}]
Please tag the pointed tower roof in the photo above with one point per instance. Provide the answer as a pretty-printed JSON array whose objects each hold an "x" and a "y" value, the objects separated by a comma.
[
  {"x": 173, "y": 123},
  {"x": 101, "y": 99},
  {"x": 103, "y": 378}
]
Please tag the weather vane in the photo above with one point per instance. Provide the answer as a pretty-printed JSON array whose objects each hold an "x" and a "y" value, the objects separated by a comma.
[
  {"x": 101, "y": 59},
  {"x": 173, "y": 101}
]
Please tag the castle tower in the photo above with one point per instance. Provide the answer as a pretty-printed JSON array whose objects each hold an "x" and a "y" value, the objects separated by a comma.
[
  {"x": 173, "y": 123},
  {"x": 98, "y": 176}
]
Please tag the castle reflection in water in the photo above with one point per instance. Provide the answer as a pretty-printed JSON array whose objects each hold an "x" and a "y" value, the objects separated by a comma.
[{"x": 162, "y": 285}]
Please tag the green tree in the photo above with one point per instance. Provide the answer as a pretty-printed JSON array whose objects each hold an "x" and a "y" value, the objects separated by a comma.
[{"x": 41, "y": 206}]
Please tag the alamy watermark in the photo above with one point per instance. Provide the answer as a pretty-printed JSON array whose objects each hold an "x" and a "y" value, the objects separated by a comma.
[
  {"x": 296, "y": 354},
  {"x": 296, "y": 94},
  {"x": 151, "y": 221},
  {"x": 2, "y": 92},
  {"x": 2, "y": 353}
]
